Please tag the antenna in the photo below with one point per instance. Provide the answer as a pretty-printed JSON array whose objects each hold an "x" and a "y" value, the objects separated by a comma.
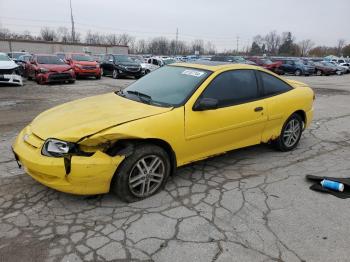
[{"x": 72, "y": 21}]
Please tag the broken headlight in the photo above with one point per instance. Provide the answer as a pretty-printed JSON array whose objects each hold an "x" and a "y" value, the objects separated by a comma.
[{"x": 57, "y": 148}]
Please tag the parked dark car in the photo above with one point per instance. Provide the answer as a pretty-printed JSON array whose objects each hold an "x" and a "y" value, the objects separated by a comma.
[
  {"x": 120, "y": 66},
  {"x": 338, "y": 70},
  {"x": 295, "y": 67},
  {"x": 232, "y": 59},
  {"x": 321, "y": 69},
  {"x": 267, "y": 64}
]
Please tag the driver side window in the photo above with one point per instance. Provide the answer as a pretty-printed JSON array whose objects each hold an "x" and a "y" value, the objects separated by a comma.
[{"x": 233, "y": 87}]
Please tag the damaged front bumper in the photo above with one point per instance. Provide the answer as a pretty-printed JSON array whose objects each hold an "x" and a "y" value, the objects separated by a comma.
[
  {"x": 12, "y": 79},
  {"x": 88, "y": 175}
]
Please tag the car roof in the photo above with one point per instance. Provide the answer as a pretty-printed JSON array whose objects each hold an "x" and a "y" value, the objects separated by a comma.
[{"x": 215, "y": 66}]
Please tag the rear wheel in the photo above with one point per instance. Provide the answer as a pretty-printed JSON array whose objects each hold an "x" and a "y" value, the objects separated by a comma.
[
  {"x": 98, "y": 77},
  {"x": 319, "y": 72},
  {"x": 142, "y": 174},
  {"x": 290, "y": 134}
]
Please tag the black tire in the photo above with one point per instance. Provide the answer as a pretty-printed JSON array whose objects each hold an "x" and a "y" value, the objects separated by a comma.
[
  {"x": 319, "y": 72},
  {"x": 98, "y": 77},
  {"x": 120, "y": 182},
  {"x": 298, "y": 72},
  {"x": 147, "y": 71},
  {"x": 71, "y": 81},
  {"x": 281, "y": 142},
  {"x": 115, "y": 74}
]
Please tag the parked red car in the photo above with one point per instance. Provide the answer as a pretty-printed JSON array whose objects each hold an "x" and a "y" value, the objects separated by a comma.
[
  {"x": 83, "y": 65},
  {"x": 48, "y": 69},
  {"x": 267, "y": 64}
]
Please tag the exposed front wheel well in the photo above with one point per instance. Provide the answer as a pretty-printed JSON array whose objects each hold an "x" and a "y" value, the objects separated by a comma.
[{"x": 126, "y": 147}]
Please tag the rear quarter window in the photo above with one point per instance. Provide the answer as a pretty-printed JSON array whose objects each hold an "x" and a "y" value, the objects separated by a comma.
[{"x": 272, "y": 85}]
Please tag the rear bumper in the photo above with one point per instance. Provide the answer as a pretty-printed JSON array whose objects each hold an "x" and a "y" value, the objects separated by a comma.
[
  {"x": 11, "y": 79},
  {"x": 309, "y": 117},
  {"x": 88, "y": 176}
]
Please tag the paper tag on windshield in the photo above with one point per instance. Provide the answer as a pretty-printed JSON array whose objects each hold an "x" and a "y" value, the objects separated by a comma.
[{"x": 193, "y": 73}]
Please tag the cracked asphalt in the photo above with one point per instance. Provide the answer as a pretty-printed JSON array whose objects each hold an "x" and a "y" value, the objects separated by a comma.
[{"x": 252, "y": 204}]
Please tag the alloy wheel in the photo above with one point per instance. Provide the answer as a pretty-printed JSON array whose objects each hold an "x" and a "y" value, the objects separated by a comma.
[
  {"x": 115, "y": 74},
  {"x": 291, "y": 133},
  {"x": 146, "y": 176}
]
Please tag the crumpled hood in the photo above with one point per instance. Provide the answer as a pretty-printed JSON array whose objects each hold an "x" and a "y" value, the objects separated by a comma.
[
  {"x": 77, "y": 119},
  {"x": 8, "y": 64}
]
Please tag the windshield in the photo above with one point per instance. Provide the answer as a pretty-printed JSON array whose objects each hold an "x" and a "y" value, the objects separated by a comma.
[
  {"x": 16, "y": 55},
  {"x": 168, "y": 86},
  {"x": 4, "y": 57},
  {"x": 123, "y": 58},
  {"x": 24, "y": 58},
  {"x": 51, "y": 60},
  {"x": 77, "y": 57}
]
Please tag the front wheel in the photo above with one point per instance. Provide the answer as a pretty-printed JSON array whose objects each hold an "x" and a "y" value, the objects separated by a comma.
[
  {"x": 115, "y": 74},
  {"x": 290, "y": 134},
  {"x": 142, "y": 174},
  {"x": 297, "y": 72}
]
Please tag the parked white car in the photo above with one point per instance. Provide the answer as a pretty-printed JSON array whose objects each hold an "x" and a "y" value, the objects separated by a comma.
[
  {"x": 9, "y": 71},
  {"x": 158, "y": 61}
]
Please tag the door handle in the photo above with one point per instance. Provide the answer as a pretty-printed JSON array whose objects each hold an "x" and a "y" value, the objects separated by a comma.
[{"x": 258, "y": 109}]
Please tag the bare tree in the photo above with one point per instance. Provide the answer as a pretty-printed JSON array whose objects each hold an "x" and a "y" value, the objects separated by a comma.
[
  {"x": 340, "y": 46},
  {"x": 273, "y": 42},
  {"x": 305, "y": 46},
  {"x": 197, "y": 45},
  {"x": 48, "y": 34},
  {"x": 94, "y": 38},
  {"x": 64, "y": 35},
  {"x": 209, "y": 48}
]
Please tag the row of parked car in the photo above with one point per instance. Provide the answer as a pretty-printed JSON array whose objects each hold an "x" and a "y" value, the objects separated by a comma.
[
  {"x": 295, "y": 66},
  {"x": 66, "y": 67}
]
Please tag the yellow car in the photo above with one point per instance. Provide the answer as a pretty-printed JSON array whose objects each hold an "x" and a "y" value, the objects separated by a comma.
[{"x": 130, "y": 141}]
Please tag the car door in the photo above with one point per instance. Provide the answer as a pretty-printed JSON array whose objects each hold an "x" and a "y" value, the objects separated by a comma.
[
  {"x": 238, "y": 120},
  {"x": 278, "y": 102}
]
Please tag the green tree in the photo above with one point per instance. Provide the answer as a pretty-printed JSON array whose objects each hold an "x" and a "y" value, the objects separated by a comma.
[
  {"x": 255, "y": 49},
  {"x": 288, "y": 46}
]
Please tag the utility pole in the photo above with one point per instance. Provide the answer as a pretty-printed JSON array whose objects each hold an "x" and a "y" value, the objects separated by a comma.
[
  {"x": 176, "y": 41},
  {"x": 72, "y": 21},
  {"x": 237, "y": 38}
]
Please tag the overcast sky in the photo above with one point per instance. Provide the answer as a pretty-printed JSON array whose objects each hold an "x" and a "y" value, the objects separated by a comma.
[{"x": 220, "y": 21}]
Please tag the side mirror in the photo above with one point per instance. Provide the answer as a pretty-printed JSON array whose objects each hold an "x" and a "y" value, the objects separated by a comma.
[{"x": 203, "y": 104}]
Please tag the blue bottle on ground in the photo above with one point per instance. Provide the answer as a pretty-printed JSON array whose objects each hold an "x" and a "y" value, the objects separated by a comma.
[{"x": 329, "y": 184}]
